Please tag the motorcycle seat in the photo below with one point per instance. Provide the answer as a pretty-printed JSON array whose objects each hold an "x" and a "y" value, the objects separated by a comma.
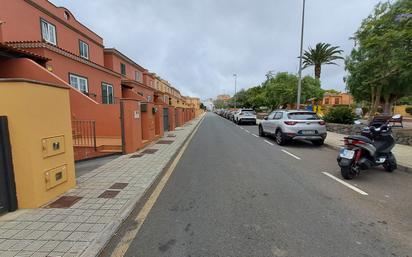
[{"x": 361, "y": 138}]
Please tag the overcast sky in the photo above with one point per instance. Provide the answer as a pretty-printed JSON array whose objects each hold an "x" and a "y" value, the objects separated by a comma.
[{"x": 199, "y": 44}]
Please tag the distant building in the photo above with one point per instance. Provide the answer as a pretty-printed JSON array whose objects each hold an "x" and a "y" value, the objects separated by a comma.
[
  {"x": 223, "y": 97},
  {"x": 208, "y": 103},
  {"x": 332, "y": 99}
]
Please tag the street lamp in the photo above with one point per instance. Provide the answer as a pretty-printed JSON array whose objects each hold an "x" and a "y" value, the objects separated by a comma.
[
  {"x": 235, "y": 75},
  {"x": 300, "y": 58}
]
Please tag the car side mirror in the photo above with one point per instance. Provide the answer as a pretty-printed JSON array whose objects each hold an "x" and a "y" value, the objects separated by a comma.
[{"x": 265, "y": 118}]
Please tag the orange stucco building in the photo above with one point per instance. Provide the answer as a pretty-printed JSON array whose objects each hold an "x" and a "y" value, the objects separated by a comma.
[
  {"x": 337, "y": 99},
  {"x": 116, "y": 105}
]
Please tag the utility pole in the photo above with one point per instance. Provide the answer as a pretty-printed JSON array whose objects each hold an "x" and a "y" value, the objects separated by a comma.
[
  {"x": 235, "y": 75},
  {"x": 300, "y": 58}
]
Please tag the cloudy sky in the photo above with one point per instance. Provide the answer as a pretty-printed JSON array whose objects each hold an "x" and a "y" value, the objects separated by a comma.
[{"x": 199, "y": 44}]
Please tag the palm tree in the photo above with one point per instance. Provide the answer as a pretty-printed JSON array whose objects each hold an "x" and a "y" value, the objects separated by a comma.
[{"x": 323, "y": 53}]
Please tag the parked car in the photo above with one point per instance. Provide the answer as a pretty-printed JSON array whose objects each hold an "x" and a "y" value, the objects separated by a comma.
[
  {"x": 231, "y": 115},
  {"x": 245, "y": 116},
  {"x": 288, "y": 125}
]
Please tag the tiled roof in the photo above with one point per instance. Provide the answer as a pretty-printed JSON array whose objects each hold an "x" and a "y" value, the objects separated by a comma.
[
  {"x": 59, "y": 50},
  {"x": 15, "y": 51}
]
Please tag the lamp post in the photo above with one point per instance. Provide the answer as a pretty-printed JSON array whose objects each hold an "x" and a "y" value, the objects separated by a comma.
[
  {"x": 300, "y": 58},
  {"x": 235, "y": 75}
]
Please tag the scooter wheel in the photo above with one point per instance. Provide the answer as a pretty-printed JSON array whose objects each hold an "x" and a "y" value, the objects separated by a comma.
[
  {"x": 390, "y": 165},
  {"x": 347, "y": 172}
]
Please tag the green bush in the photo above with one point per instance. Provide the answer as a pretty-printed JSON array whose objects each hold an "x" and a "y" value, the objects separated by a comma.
[
  {"x": 409, "y": 110},
  {"x": 340, "y": 114}
]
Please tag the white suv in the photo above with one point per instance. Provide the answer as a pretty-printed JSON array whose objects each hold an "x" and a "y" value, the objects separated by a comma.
[
  {"x": 288, "y": 125},
  {"x": 245, "y": 116}
]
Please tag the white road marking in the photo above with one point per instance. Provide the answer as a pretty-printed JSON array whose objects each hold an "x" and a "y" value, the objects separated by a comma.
[
  {"x": 291, "y": 154},
  {"x": 247, "y": 131},
  {"x": 270, "y": 143},
  {"x": 345, "y": 183},
  {"x": 255, "y": 135}
]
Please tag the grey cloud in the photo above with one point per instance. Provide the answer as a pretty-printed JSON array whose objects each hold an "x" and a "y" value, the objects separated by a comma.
[{"x": 198, "y": 44}]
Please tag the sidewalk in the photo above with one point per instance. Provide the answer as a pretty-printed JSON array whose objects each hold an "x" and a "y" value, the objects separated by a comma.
[
  {"x": 403, "y": 153},
  {"x": 107, "y": 196}
]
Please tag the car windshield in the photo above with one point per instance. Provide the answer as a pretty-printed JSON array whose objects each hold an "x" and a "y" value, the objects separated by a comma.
[
  {"x": 303, "y": 116},
  {"x": 248, "y": 112}
]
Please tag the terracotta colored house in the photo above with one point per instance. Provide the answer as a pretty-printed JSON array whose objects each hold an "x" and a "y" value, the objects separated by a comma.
[
  {"x": 115, "y": 105},
  {"x": 337, "y": 99}
]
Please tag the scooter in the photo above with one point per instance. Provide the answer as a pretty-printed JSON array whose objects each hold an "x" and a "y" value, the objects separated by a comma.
[{"x": 370, "y": 149}]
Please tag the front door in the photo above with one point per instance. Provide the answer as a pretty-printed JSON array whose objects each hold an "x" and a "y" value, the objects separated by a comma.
[
  {"x": 8, "y": 200},
  {"x": 166, "y": 119}
]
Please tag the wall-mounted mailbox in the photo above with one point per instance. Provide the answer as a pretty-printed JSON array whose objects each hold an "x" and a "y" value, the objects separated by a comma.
[
  {"x": 56, "y": 176},
  {"x": 53, "y": 146}
]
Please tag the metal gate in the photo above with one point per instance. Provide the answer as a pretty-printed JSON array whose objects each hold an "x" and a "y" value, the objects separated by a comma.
[
  {"x": 166, "y": 119},
  {"x": 8, "y": 200}
]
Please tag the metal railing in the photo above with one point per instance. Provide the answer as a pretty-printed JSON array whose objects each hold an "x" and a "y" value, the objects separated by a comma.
[{"x": 84, "y": 133}]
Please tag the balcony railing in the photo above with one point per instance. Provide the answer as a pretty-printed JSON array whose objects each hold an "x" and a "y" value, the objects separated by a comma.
[{"x": 84, "y": 133}]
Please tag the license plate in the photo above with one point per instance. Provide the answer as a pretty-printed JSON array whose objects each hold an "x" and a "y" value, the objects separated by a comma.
[
  {"x": 347, "y": 154},
  {"x": 308, "y": 132}
]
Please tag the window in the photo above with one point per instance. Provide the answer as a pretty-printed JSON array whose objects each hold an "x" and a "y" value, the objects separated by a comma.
[
  {"x": 138, "y": 76},
  {"x": 84, "y": 49},
  {"x": 303, "y": 116},
  {"x": 165, "y": 98},
  {"x": 337, "y": 100},
  {"x": 123, "y": 69},
  {"x": 48, "y": 32},
  {"x": 278, "y": 116},
  {"x": 78, "y": 82},
  {"x": 326, "y": 100},
  {"x": 149, "y": 98},
  {"x": 107, "y": 94}
]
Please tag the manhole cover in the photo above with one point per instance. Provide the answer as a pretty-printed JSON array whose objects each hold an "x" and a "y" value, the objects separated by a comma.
[
  {"x": 149, "y": 151},
  {"x": 109, "y": 194},
  {"x": 171, "y": 135},
  {"x": 119, "y": 185},
  {"x": 136, "y": 155},
  {"x": 64, "y": 202},
  {"x": 164, "y": 142}
]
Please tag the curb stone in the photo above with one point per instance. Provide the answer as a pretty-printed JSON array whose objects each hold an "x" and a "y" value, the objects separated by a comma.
[{"x": 95, "y": 248}]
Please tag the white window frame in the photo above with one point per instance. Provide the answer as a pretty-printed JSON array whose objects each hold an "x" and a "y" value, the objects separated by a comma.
[
  {"x": 48, "y": 32},
  {"x": 149, "y": 98},
  {"x": 109, "y": 99},
  {"x": 85, "y": 47},
  {"x": 76, "y": 81},
  {"x": 138, "y": 76}
]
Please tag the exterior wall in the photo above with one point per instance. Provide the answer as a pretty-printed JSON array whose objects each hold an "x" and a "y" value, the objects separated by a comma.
[
  {"x": 343, "y": 99},
  {"x": 48, "y": 116},
  {"x": 401, "y": 109},
  {"x": 62, "y": 66},
  {"x": 113, "y": 61},
  {"x": 23, "y": 24},
  {"x": 132, "y": 126},
  {"x": 148, "y": 123},
  {"x": 172, "y": 122}
]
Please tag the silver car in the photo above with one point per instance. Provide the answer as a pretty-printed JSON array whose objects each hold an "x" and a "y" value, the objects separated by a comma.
[{"x": 288, "y": 125}]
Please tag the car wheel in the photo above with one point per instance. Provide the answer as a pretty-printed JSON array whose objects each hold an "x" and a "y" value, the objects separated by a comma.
[
  {"x": 239, "y": 122},
  {"x": 261, "y": 132},
  {"x": 318, "y": 142},
  {"x": 279, "y": 138}
]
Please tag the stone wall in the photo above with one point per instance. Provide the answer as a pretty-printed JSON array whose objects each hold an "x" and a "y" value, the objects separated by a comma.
[{"x": 402, "y": 136}]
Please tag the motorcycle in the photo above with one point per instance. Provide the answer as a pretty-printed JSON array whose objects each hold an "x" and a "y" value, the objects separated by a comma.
[{"x": 370, "y": 149}]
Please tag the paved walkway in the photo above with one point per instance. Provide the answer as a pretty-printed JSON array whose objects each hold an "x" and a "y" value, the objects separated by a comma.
[
  {"x": 84, "y": 228},
  {"x": 403, "y": 153}
]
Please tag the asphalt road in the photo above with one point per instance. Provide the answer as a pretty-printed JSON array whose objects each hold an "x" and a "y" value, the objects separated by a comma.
[{"x": 233, "y": 194}]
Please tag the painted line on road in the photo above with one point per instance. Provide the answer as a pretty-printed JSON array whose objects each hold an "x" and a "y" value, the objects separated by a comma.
[
  {"x": 247, "y": 131},
  {"x": 270, "y": 143},
  {"x": 127, "y": 239},
  {"x": 291, "y": 154},
  {"x": 255, "y": 135},
  {"x": 345, "y": 183}
]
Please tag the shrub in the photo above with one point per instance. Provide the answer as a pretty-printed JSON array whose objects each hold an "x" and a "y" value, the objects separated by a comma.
[
  {"x": 408, "y": 109},
  {"x": 340, "y": 114}
]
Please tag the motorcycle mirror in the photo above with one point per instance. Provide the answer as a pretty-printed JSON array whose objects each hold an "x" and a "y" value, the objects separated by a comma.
[{"x": 397, "y": 116}]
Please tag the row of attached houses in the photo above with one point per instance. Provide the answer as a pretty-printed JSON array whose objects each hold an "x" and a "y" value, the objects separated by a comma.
[
  {"x": 104, "y": 82},
  {"x": 64, "y": 97}
]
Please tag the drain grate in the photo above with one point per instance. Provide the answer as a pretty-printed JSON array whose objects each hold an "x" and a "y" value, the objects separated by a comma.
[
  {"x": 171, "y": 135},
  {"x": 136, "y": 155},
  {"x": 109, "y": 194},
  {"x": 64, "y": 202},
  {"x": 164, "y": 142},
  {"x": 150, "y": 151},
  {"x": 119, "y": 185}
]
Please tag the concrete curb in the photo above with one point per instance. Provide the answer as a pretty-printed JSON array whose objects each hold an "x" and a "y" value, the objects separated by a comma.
[
  {"x": 96, "y": 247},
  {"x": 400, "y": 166}
]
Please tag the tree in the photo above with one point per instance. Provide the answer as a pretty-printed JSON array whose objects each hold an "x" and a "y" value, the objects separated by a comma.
[
  {"x": 380, "y": 67},
  {"x": 323, "y": 53}
]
